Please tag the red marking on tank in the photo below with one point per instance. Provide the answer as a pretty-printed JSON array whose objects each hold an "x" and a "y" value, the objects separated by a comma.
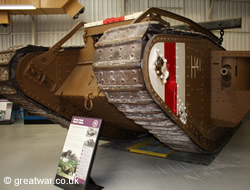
[
  {"x": 112, "y": 20},
  {"x": 171, "y": 86}
]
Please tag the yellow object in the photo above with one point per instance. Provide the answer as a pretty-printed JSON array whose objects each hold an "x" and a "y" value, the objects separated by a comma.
[
  {"x": 4, "y": 17},
  {"x": 151, "y": 147},
  {"x": 41, "y": 7}
]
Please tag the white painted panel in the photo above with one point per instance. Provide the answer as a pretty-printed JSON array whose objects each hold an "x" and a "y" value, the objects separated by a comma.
[
  {"x": 181, "y": 78},
  {"x": 157, "y": 84}
]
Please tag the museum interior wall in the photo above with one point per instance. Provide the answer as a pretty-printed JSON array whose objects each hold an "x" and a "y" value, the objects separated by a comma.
[{"x": 50, "y": 28}]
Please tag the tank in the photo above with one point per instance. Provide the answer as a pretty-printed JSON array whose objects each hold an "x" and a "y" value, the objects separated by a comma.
[{"x": 141, "y": 76}]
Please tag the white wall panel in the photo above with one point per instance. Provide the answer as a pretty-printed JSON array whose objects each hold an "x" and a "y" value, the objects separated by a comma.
[
  {"x": 21, "y": 24},
  {"x": 50, "y": 38},
  {"x": 4, "y": 41},
  {"x": 231, "y": 9},
  {"x": 195, "y": 10},
  {"x": 100, "y": 9},
  {"x": 22, "y": 38},
  {"x": 237, "y": 41},
  {"x": 47, "y": 23},
  {"x": 234, "y": 39},
  {"x": 4, "y": 30},
  {"x": 51, "y": 28},
  {"x": 175, "y": 6},
  {"x": 136, "y": 6}
]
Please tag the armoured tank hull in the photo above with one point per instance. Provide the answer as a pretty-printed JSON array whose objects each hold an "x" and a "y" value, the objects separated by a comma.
[
  {"x": 126, "y": 67},
  {"x": 59, "y": 101},
  {"x": 140, "y": 77}
]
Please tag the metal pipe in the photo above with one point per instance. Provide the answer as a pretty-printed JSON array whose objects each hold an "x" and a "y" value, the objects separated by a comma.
[
  {"x": 122, "y": 8},
  {"x": 33, "y": 29}
]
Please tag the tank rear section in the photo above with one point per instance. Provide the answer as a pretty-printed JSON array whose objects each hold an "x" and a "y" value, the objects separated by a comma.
[
  {"x": 58, "y": 83},
  {"x": 9, "y": 87}
]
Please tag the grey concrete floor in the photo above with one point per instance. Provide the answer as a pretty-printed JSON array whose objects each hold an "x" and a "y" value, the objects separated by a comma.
[{"x": 33, "y": 151}]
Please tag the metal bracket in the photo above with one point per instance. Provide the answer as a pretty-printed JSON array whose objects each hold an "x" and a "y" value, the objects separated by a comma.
[
  {"x": 157, "y": 17},
  {"x": 38, "y": 64},
  {"x": 88, "y": 100},
  {"x": 42, "y": 61},
  {"x": 215, "y": 25}
]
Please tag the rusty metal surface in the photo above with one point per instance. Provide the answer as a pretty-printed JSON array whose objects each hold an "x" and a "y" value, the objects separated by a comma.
[
  {"x": 216, "y": 25},
  {"x": 5, "y": 58}
]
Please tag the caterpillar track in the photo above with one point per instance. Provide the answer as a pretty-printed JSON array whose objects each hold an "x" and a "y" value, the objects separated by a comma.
[
  {"x": 9, "y": 88},
  {"x": 140, "y": 76},
  {"x": 118, "y": 65}
]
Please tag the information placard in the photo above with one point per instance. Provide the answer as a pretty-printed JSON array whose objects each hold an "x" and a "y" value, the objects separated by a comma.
[
  {"x": 5, "y": 110},
  {"x": 78, "y": 153}
]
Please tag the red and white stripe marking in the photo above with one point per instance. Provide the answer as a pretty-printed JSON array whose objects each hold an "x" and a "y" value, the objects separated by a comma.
[
  {"x": 112, "y": 20},
  {"x": 173, "y": 91}
]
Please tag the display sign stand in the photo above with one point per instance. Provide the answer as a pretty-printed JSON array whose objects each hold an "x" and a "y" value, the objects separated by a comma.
[
  {"x": 92, "y": 185},
  {"x": 78, "y": 154}
]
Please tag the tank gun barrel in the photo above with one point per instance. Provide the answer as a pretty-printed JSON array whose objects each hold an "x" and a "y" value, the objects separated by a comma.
[{"x": 226, "y": 74}]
